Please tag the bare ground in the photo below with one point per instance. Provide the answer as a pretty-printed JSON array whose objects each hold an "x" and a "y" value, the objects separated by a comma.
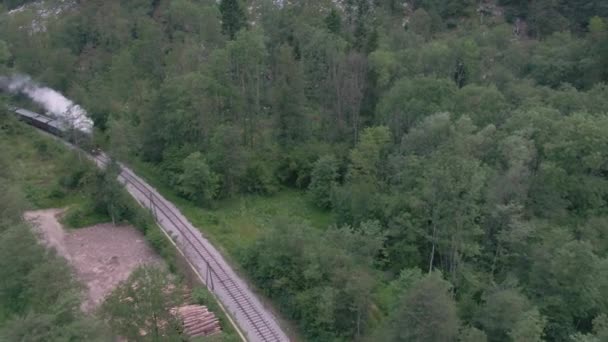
[{"x": 102, "y": 255}]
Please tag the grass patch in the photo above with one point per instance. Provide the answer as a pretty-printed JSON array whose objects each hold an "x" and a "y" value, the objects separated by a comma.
[
  {"x": 37, "y": 165},
  {"x": 83, "y": 215},
  {"x": 237, "y": 222}
]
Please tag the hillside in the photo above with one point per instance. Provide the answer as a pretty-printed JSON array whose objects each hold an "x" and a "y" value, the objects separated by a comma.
[{"x": 391, "y": 170}]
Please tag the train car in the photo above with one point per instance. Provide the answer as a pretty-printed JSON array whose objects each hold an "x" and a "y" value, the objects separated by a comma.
[
  {"x": 41, "y": 121},
  {"x": 57, "y": 128}
]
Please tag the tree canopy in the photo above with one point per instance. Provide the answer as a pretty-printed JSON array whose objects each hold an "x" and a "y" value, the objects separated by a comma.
[{"x": 458, "y": 149}]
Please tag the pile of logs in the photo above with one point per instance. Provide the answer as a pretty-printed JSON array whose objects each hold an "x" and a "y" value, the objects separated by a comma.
[{"x": 197, "y": 320}]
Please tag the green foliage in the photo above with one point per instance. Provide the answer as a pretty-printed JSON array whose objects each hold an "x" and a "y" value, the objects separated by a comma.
[
  {"x": 258, "y": 179},
  {"x": 295, "y": 166},
  {"x": 529, "y": 327},
  {"x": 10, "y": 4},
  {"x": 323, "y": 179},
  {"x": 143, "y": 303},
  {"x": 228, "y": 157},
  {"x": 288, "y": 98},
  {"x": 83, "y": 216},
  {"x": 485, "y": 105},
  {"x": 410, "y": 100},
  {"x": 5, "y": 54},
  {"x": 369, "y": 156},
  {"x": 427, "y": 312},
  {"x": 39, "y": 298},
  {"x": 198, "y": 182},
  {"x": 507, "y": 313},
  {"x": 557, "y": 61},
  {"x": 333, "y": 21},
  {"x": 461, "y": 144},
  {"x": 323, "y": 285},
  {"x": 421, "y": 23},
  {"x": 233, "y": 17},
  {"x": 108, "y": 197},
  {"x": 472, "y": 334},
  {"x": 391, "y": 295},
  {"x": 46, "y": 177}
]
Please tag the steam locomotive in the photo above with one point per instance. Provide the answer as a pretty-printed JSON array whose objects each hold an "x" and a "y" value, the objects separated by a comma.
[{"x": 57, "y": 128}]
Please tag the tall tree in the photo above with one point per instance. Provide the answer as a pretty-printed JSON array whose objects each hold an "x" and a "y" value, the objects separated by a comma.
[
  {"x": 368, "y": 157},
  {"x": 323, "y": 179},
  {"x": 288, "y": 98},
  {"x": 427, "y": 313},
  {"x": 233, "y": 17},
  {"x": 248, "y": 66}
]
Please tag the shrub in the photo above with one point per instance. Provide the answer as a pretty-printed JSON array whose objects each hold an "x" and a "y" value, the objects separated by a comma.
[
  {"x": 197, "y": 182},
  {"x": 259, "y": 179}
]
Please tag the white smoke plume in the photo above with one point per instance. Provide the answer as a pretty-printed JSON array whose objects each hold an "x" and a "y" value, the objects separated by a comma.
[{"x": 51, "y": 100}]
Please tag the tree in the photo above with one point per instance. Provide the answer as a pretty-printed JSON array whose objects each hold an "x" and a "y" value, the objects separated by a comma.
[
  {"x": 410, "y": 100},
  {"x": 140, "y": 307},
  {"x": 544, "y": 18},
  {"x": 554, "y": 61},
  {"x": 108, "y": 195},
  {"x": 247, "y": 58},
  {"x": 123, "y": 138},
  {"x": 529, "y": 328},
  {"x": 472, "y": 334},
  {"x": 5, "y": 54},
  {"x": 316, "y": 277},
  {"x": 233, "y": 17},
  {"x": 505, "y": 313},
  {"x": 322, "y": 180},
  {"x": 384, "y": 66},
  {"x": 600, "y": 331},
  {"x": 333, "y": 21},
  {"x": 450, "y": 191},
  {"x": 288, "y": 98},
  {"x": 558, "y": 261},
  {"x": 228, "y": 158},
  {"x": 485, "y": 105},
  {"x": 197, "y": 182},
  {"x": 421, "y": 23},
  {"x": 188, "y": 18},
  {"x": 369, "y": 155},
  {"x": 426, "y": 313}
]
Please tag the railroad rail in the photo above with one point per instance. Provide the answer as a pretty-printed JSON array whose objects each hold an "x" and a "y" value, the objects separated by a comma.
[
  {"x": 254, "y": 319},
  {"x": 215, "y": 269}
]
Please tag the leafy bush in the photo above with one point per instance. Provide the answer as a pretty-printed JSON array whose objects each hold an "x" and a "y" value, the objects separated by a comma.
[
  {"x": 259, "y": 179},
  {"x": 197, "y": 182},
  {"x": 83, "y": 215}
]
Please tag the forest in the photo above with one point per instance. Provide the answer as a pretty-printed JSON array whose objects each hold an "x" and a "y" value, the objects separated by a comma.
[{"x": 459, "y": 147}]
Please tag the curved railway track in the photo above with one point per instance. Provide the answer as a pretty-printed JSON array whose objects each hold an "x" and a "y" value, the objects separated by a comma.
[{"x": 218, "y": 275}]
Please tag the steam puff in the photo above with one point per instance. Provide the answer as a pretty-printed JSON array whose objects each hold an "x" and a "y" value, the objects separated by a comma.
[{"x": 51, "y": 100}]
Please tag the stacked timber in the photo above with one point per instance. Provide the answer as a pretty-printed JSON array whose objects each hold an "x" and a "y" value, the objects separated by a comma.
[{"x": 197, "y": 320}]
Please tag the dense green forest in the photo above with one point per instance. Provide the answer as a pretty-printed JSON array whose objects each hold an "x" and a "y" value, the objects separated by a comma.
[{"x": 461, "y": 148}]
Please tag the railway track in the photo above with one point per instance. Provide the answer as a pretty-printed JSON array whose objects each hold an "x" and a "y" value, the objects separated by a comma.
[{"x": 219, "y": 278}]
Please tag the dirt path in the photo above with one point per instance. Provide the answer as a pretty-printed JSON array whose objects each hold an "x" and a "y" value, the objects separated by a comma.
[{"x": 102, "y": 255}]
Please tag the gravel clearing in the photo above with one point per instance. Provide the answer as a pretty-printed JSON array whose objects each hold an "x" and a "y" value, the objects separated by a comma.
[{"x": 102, "y": 255}]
